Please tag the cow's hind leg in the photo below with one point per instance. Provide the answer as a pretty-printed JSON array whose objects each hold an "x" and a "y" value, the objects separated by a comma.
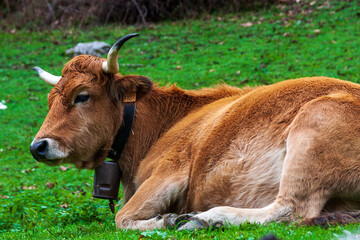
[{"x": 322, "y": 161}]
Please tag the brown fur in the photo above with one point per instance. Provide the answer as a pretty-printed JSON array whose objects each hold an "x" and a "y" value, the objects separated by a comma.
[{"x": 284, "y": 152}]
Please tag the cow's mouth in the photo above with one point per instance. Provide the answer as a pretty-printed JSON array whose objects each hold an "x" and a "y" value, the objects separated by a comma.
[
  {"x": 52, "y": 162},
  {"x": 91, "y": 161}
]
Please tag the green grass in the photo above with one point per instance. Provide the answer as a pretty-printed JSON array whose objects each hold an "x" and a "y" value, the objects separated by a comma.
[{"x": 209, "y": 51}]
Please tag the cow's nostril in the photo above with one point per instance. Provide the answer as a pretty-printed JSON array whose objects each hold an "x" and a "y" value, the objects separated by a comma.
[
  {"x": 42, "y": 146},
  {"x": 38, "y": 149}
]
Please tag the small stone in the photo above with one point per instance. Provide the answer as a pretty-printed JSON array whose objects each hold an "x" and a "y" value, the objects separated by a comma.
[{"x": 92, "y": 48}]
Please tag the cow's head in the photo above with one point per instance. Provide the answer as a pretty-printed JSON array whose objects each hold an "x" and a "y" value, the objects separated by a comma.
[{"x": 85, "y": 109}]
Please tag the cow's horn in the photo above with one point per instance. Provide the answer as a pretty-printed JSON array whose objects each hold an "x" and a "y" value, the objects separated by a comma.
[
  {"x": 111, "y": 65},
  {"x": 47, "y": 77}
]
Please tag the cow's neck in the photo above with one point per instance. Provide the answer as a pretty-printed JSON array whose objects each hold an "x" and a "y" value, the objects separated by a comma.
[{"x": 155, "y": 114}]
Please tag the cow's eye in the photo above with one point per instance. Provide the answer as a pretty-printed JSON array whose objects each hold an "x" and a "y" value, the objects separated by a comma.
[{"x": 82, "y": 98}]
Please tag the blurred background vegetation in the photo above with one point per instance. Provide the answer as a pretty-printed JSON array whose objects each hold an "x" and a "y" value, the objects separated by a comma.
[{"x": 40, "y": 14}]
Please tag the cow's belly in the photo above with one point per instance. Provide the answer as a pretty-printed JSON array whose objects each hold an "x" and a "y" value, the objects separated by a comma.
[{"x": 241, "y": 179}]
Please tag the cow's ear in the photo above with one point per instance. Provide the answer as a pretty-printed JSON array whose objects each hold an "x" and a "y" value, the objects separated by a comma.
[{"x": 133, "y": 87}]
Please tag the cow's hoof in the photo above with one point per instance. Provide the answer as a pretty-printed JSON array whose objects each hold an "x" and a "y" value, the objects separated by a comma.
[
  {"x": 170, "y": 220},
  {"x": 193, "y": 224},
  {"x": 184, "y": 218},
  {"x": 218, "y": 224}
]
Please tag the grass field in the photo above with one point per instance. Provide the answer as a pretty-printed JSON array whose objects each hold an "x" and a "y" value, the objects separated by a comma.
[{"x": 248, "y": 48}]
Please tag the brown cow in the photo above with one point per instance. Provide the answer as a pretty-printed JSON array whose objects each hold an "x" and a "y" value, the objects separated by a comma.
[{"x": 285, "y": 152}]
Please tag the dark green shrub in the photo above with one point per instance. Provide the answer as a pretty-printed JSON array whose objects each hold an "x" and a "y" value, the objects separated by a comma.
[{"x": 45, "y": 13}]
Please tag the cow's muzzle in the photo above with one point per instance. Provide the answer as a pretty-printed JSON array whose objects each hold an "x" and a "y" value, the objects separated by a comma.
[{"x": 47, "y": 149}]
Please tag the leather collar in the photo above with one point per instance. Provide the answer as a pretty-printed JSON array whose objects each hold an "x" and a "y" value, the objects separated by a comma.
[{"x": 123, "y": 132}]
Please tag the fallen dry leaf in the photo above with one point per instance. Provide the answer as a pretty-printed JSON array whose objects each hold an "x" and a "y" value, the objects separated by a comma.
[
  {"x": 34, "y": 99},
  {"x": 247, "y": 24},
  {"x": 25, "y": 170},
  {"x": 49, "y": 185},
  {"x": 212, "y": 70},
  {"x": 63, "y": 168},
  {"x": 178, "y": 67},
  {"x": 4, "y": 196},
  {"x": 317, "y": 31},
  {"x": 30, "y": 187},
  {"x": 244, "y": 81},
  {"x": 64, "y": 205}
]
